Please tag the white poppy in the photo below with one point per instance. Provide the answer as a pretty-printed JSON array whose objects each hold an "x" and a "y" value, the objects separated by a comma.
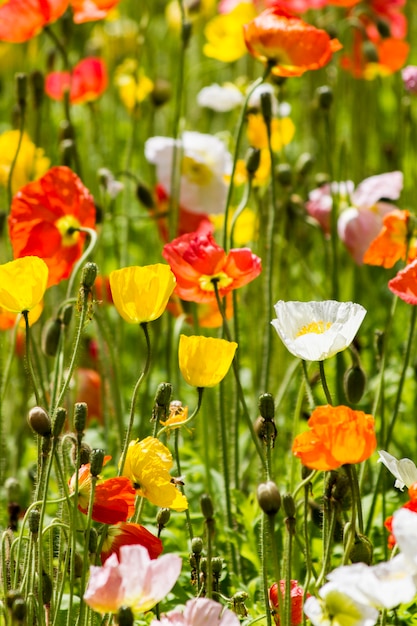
[
  {"x": 404, "y": 529},
  {"x": 220, "y": 98},
  {"x": 404, "y": 470},
  {"x": 315, "y": 331},
  {"x": 337, "y": 608},
  {"x": 204, "y": 162}
]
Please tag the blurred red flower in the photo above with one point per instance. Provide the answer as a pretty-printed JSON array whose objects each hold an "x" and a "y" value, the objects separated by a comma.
[
  {"x": 393, "y": 242},
  {"x": 87, "y": 81},
  {"x": 88, "y": 390},
  {"x": 91, "y": 10},
  {"x": 188, "y": 222},
  {"x": 20, "y": 20},
  {"x": 296, "y": 599},
  {"x": 124, "y": 534},
  {"x": 404, "y": 284},
  {"x": 198, "y": 261},
  {"x": 44, "y": 217},
  {"x": 287, "y": 44}
]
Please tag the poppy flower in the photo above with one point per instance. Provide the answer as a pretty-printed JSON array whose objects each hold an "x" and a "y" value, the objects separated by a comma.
[
  {"x": 91, "y": 10},
  {"x": 225, "y": 41},
  {"x": 22, "y": 284},
  {"x": 404, "y": 284},
  {"x": 31, "y": 162},
  {"x": 199, "y": 612},
  {"x": 87, "y": 81},
  {"x": 114, "y": 498},
  {"x": 287, "y": 44},
  {"x": 315, "y": 331},
  {"x": 404, "y": 470},
  {"x": 198, "y": 262},
  {"x": 140, "y": 294},
  {"x": 409, "y": 76},
  {"x": 126, "y": 534},
  {"x": 337, "y": 435},
  {"x": 393, "y": 242},
  {"x": 205, "y": 361},
  {"x": 296, "y": 600},
  {"x": 44, "y": 219},
  {"x": 20, "y": 20},
  {"x": 133, "y": 580},
  {"x": 148, "y": 463},
  {"x": 88, "y": 389}
]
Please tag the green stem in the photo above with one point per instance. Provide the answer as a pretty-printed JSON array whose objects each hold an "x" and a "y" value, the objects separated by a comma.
[
  {"x": 324, "y": 384},
  {"x": 264, "y": 560},
  {"x": 91, "y": 245},
  {"x": 22, "y": 111},
  {"x": 277, "y": 567},
  {"x": 144, "y": 326},
  {"x": 29, "y": 360},
  {"x": 178, "y": 462}
]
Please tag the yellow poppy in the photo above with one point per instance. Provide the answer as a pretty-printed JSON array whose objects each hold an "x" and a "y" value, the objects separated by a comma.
[
  {"x": 140, "y": 294},
  {"x": 148, "y": 463},
  {"x": 205, "y": 361},
  {"x": 22, "y": 283},
  {"x": 31, "y": 162},
  {"x": 282, "y": 132},
  {"x": 224, "y": 34}
]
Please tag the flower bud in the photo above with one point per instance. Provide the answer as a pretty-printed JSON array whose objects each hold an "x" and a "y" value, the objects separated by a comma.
[
  {"x": 163, "y": 517},
  {"x": 39, "y": 421},
  {"x": 67, "y": 315},
  {"x": 304, "y": 164},
  {"x": 383, "y": 28},
  {"x": 124, "y": 616},
  {"x": 354, "y": 382},
  {"x": 197, "y": 545},
  {"x": 66, "y": 130},
  {"x": 145, "y": 196},
  {"x": 253, "y": 159},
  {"x": 161, "y": 92},
  {"x": 92, "y": 541},
  {"x": 12, "y": 486},
  {"x": 19, "y": 610},
  {"x": 33, "y": 521},
  {"x": 66, "y": 151},
  {"x": 59, "y": 421},
  {"x": 46, "y": 588},
  {"x": 324, "y": 97},
  {"x": 50, "y": 336},
  {"x": 21, "y": 89},
  {"x": 238, "y": 601},
  {"x": 38, "y": 88},
  {"x": 266, "y": 406},
  {"x": 88, "y": 275},
  {"x": 370, "y": 52},
  {"x": 162, "y": 401},
  {"x": 266, "y": 107},
  {"x": 269, "y": 497},
  {"x": 289, "y": 505},
  {"x": 80, "y": 416},
  {"x": 283, "y": 173},
  {"x": 362, "y": 550},
  {"x": 217, "y": 565},
  {"x": 186, "y": 31},
  {"x": 96, "y": 461},
  {"x": 12, "y": 596},
  {"x": 207, "y": 506}
]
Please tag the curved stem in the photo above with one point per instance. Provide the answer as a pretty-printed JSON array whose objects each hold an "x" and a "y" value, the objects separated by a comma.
[
  {"x": 144, "y": 326},
  {"x": 22, "y": 110},
  {"x": 324, "y": 384},
  {"x": 91, "y": 245}
]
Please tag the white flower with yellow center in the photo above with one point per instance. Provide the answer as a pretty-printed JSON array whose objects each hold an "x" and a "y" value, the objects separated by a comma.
[
  {"x": 314, "y": 331},
  {"x": 204, "y": 164},
  {"x": 337, "y": 608}
]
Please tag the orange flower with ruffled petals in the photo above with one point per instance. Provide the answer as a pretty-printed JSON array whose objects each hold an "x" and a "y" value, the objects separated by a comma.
[
  {"x": 198, "y": 262},
  {"x": 91, "y": 10},
  {"x": 287, "y": 44},
  {"x": 114, "y": 498},
  {"x": 45, "y": 217},
  {"x": 128, "y": 534},
  {"x": 87, "y": 81},
  {"x": 337, "y": 435},
  {"x": 404, "y": 284},
  {"x": 392, "y": 243},
  {"x": 20, "y": 20}
]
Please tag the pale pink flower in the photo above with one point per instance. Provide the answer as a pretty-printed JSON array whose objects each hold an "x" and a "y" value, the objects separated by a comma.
[
  {"x": 199, "y": 612},
  {"x": 137, "y": 581}
]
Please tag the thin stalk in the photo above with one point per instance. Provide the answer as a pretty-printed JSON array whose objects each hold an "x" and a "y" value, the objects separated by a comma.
[
  {"x": 324, "y": 384},
  {"x": 91, "y": 245},
  {"x": 29, "y": 360},
  {"x": 178, "y": 462},
  {"x": 22, "y": 111},
  {"x": 277, "y": 567}
]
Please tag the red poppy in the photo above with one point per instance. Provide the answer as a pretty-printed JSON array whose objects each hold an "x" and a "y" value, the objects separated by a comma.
[
  {"x": 91, "y": 10},
  {"x": 404, "y": 284},
  {"x": 20, "y": 20},
  {"x": 44, "y": 217},
  {"x": 198, "y": 262},
  {"x": 392, "y": 243},
  {"x": 127, "y": 534},
  {"x": 287, "y": 44},
  {"x": 87, "y": 81},
  {"x": 114, "y": 498},
  {"x": 377, "y": 57},
  {"x": 88, "y": 390},
  {"x": 188, "y": 222},
  {"x": 296, "y": 599}
]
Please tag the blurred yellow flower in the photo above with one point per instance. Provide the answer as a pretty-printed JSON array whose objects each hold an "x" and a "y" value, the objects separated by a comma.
[
  {"x": 224, "y": 33},
  {"x": 282, "y": 132},
  {"x": 245, "y": 228},
  {"x": 195, "y": 11},
  {"x": 132, "y": 88},
  {"x": 148, "y": 463},
  {"x": 22, "y": 283},
  {"x": 31, "y": 162},
  {"x": 140, "y": 294},
  {"x": 205, "y": 361}
]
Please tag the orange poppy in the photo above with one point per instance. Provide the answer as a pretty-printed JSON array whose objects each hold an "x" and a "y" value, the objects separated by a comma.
[
  {"x": 287, "y": 44},
  {"x": 114, "y": 498},
  {"x": 392, "y": 242},
  {"x": 20, "y": 20},
  {"x": 337, "y": 435},
  {"x": 87, "y": 81},
  {"x": 88, "y": 389},
  {"x": 127, "y": 534},
  {"x": 44, "y": 219},
  {"x": 390, "y": 56},
  {"x": 404, "y": 284},
  {"x": 91, "y": 10}
]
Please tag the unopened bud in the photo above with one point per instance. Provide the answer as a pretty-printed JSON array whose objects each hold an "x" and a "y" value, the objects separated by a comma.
[
  {"x": 66, "y": 150},
  {"x": 266, "y": 406},
  {"x": 38, "y": 88},
  {"x": 362, "y": 550},
  {"x": 289, "y": 505},
  {"x": 96, "y": 461},
  {"x": 80, "y": 416},
  {"x": 67, "y": 314},
  {"x": 19, "y": 610},
  {"x": 21, "y": 89},
  {"x": 89, "y": 275},
  {"x": 324, "y": 97},
  {"x": 92, "y": 541},
  {"x": 46, "y": 589},
  {"x": 283, "y": 174},
  {"x": 39, "y": 421},
  {"x": 383, "y": 28},
  {"x": 304, "y": 164},
  {"x": 33, "y": 521},
  {"x": 354, "y": 382},
  {"x": 207, "y": 506},
  {"x": 266, "y": 107},
  {"x": 186, "y": 31},
  {"x": 370, "y": 52},
  {"x": 253, "y": 159},
  {"x": 269, "y": 497},
  {"x": 12, "y": 486},
  {"x": 124, "y": 616},
  {"x": 161, "y": 92},
  {"x": 163, "y": 517},
  {"x": 50, "y": 336},
  {"x": 85, "y": 454},
  {"x": 217, "y": 565},
  {"x": 145, "y": 197},
  {"x": 197, "y": 545},
  {"x": 59, "y": 421}
]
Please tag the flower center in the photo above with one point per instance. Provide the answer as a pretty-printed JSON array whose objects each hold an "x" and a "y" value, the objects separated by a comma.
[
  {"x": 207, "y": 282},
  {"x": 196, "y": 172},
  {"x": 68, "y": 226},
  {"x": 314, "y": 327}
]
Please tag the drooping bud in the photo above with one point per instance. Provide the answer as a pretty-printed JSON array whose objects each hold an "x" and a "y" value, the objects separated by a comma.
[
  {"x": 59, "y": 421},
  {"x": 125, "y": 617},
  {"x": 269, "y": 497},
  {"x": 96, "y": 461},
  {"x": 144, "y": 195},
  {"x": 207, "y": 506},
  {"x": 362, "y": 550},
  {"x": 39, "y": 421},
  {"x": 266, "y": 406},
  {"x": 354, "y": 383}
]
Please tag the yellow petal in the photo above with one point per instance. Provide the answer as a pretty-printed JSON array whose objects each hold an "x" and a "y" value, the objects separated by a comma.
[
  {"x": 22, "y": 283},
  {"x": 205, "y": 361}
]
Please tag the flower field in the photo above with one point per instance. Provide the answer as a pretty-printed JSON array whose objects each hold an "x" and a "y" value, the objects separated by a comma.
[{"x": 208, "y": 301}]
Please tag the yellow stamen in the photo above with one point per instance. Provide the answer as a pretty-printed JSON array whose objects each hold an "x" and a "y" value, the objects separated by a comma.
[
  {"x": 67, "y": 226},
  {"x": 196, "y": 172},
  {"x": 314, "y": 327},
  {"x": 207, "y": 282}
]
